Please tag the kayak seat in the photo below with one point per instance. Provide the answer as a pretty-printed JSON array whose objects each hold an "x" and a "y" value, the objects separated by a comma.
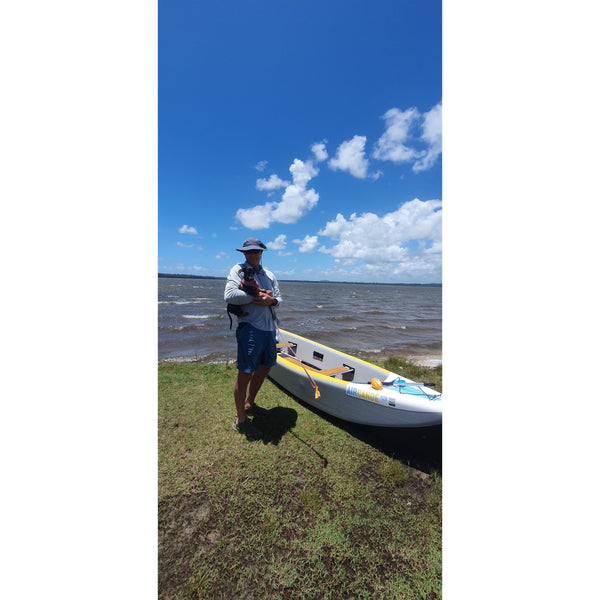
[
  {"x": 346, "y": 371},
  {"x": 282, "y": 347},
  {"x": 335, "y": 370}
]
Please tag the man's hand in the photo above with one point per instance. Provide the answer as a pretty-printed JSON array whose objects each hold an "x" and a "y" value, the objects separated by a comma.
[{"x": 264, "y": 298}]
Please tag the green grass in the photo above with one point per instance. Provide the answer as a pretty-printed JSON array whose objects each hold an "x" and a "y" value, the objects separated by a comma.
[{"x": 317, "y": 509}]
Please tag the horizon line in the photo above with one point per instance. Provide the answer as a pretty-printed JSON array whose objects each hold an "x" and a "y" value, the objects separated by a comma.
[{"x": 188, "y": 276}]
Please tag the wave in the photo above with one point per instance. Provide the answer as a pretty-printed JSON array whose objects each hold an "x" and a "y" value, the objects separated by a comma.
[
  {"x": 342, "y": 318},
  {"x": 182, "y": 327},
  {"x": 188, "y": 301},
  {"x": 347, "y": 329}
]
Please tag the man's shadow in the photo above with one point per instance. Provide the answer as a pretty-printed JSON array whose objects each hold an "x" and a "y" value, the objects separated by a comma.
[{"x": 276, "y": 423}]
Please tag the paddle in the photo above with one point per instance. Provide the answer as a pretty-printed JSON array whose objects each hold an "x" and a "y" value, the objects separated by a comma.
[
  {"x": 405, "y": 383},
  {"x": 312, "y": 383}
]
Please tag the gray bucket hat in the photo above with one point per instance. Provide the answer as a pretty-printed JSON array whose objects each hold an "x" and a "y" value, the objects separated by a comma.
[{"x": 251, "y": 244}]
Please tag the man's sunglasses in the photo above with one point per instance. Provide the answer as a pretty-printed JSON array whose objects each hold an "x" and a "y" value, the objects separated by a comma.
[{"x": 253, "y": 251}]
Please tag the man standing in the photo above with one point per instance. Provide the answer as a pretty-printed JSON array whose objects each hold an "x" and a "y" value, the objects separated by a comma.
[{"x": 255, "y": 333}]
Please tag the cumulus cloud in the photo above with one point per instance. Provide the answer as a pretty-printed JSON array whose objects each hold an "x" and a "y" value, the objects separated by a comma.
[
  {"x": 411, "y": 137},
  {"x": 432, "y": 136},
  {"x": 407, "y": 240},
  {"x": 302, "y": 172},
  {"x": 270, "y": 184},
  {"x": 392, "y": 144},
  {"x": 296, "y": 200},
  {"x": 257, "y": 217},
  {"x": 187, "y": 229},
  {"x": 261, "y": 165},
  {"x": 350, "y": 157},
  {"x": 319, "y": 151},
  {"x": 308, "y": 244},
  {"x": 278, "y": 243}
]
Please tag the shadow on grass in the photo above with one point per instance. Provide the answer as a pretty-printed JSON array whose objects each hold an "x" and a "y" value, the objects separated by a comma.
[
  {"x": 417, "y": 447},
  {"x": 276, "y": 424}
]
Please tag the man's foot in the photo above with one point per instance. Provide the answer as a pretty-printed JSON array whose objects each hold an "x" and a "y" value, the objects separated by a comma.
[
  {"x": 254, "y": 409},
  {"x": 248, "y": 429}
]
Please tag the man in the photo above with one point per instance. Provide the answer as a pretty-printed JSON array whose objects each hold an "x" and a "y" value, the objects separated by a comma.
[{"x": 255, "y": 333}]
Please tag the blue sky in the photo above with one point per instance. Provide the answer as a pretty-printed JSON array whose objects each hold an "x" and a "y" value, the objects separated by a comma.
[{"x": 313, "y": 126}]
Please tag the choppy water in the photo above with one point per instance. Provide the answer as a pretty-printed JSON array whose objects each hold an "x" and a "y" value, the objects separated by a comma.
[{"x": 365, "y": 320}]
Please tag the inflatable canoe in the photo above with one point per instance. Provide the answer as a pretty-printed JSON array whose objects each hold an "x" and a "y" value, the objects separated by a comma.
[{"x": 352, "y": 389}]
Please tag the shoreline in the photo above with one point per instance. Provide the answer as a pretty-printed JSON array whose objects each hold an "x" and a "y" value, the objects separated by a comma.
[{"x": 429, "y": 361}]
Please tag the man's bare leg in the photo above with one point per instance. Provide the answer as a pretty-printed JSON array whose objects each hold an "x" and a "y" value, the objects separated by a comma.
[{"x": 255, "y": 384}]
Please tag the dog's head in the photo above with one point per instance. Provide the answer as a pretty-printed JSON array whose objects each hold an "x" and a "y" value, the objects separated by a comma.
[{"x": 248, "y": 273}]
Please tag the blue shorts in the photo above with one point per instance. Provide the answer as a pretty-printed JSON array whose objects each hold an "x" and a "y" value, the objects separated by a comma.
[{"x": 255, "y": 348}]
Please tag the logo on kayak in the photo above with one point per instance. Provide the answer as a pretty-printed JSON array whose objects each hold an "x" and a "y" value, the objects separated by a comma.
[
  {"x": 368, "y": 393},
  {"x": 389, "y": 397}
]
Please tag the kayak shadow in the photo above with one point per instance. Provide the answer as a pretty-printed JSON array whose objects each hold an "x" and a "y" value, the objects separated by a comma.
[
  {"x": 276, "y": 423},
  {"x": 417, "y": 447}
]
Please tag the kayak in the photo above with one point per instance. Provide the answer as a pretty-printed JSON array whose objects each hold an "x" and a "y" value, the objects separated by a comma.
[{"x": 350, "y": 388}]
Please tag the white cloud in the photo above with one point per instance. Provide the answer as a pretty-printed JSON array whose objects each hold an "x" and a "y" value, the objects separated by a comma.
[
  {"x": 319, "y": 151},
  {"x": 187, "y": 229},
  {"x": 270, "y": 184},
  {"x": 432, "y": 136},
  {"x": 334, "y": 229},
  {"x": 187, "y": 246},
  {"x": 302, "y": 172},
  {"x": 405, "y": 242},
  {"x": 400, "y": 142},
  {"x": 351, "y": 157},
  {"x": 221, "y": 255},
  {"x": 295, "y": 203},
  {"x": 261, "y": 166},
  {"x": 257, "y": 217},
  {"x": 308, "y": 244},
  {"x": 296, "y": 200},
  {"x": 278, "y": 243},
  {"x": 392, "y": 144}
]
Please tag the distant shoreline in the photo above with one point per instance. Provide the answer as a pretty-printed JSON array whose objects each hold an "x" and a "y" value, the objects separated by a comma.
[{"x": 182, "y": 276}]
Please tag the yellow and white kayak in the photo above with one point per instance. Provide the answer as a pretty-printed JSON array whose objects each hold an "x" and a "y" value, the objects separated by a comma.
[{"x": 352, "y": 389}]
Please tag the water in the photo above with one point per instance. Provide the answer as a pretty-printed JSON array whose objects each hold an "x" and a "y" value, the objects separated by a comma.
[{"x": 365, "y": 320}]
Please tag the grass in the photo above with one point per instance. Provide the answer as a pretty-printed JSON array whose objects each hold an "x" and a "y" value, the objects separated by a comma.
[{"x": 317, "y": 509}]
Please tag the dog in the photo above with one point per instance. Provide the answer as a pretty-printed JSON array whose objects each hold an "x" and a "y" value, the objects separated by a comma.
[{"x": 248, "y": 285}]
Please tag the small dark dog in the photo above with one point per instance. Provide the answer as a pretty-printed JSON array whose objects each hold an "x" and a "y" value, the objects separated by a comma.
[{"x": 248, "y": 285}]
